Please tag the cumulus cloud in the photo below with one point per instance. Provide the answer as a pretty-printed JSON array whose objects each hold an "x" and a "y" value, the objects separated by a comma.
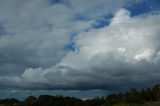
[
  {"x": 124, "y": 54},
  {"x": 34, "y": 34}
]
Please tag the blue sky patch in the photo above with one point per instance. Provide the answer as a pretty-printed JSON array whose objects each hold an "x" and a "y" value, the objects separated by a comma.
[
  {"x": 71, "y": 46},
  {"x": 105, "y": 21},
  {"x": 55, "y": 1},
  {"x": 143, "y": 7}
]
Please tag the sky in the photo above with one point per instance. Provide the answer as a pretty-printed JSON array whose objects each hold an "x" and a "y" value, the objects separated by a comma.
[{"x": 79, "y": 48}]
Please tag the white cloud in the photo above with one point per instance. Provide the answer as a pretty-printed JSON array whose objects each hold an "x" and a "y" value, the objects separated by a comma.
[
  {"x": 144, "y": 55},
  {"x": 36, "y": 32},
  {"x": 125, "y": 53},
  {"x": 121, "y": 49}
]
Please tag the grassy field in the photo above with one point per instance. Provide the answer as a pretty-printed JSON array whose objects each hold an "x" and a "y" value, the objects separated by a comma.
[{"x": 145, "y": 104}]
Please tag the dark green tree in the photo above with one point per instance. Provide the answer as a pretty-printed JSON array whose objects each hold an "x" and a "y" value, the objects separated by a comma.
[{"x": 30, "y": 101}]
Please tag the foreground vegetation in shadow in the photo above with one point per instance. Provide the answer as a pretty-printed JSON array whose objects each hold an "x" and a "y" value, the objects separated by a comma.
[{"x": 147, "y": 97}]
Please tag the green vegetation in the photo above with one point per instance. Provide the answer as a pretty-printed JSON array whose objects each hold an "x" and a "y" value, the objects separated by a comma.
[
  {"x": 148, "y": 97},
  {"x": 133, "y": 97}
]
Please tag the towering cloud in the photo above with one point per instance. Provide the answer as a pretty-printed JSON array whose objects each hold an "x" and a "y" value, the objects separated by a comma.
[
  {"x": 78, "y": 47},
  {"x": 123, "y": 54}
]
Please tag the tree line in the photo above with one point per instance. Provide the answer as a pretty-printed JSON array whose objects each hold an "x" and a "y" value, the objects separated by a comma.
[{"x": 132, "y": 96}]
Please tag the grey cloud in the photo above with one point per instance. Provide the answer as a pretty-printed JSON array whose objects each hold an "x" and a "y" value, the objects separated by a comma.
[
  {"x": 37, "y": 32},
  {"x": 124, "y": 54},
  {"x": 110, "y": 59},
  {"x": 105, "y": 77},
  {"x": 2, "y": 31}
]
